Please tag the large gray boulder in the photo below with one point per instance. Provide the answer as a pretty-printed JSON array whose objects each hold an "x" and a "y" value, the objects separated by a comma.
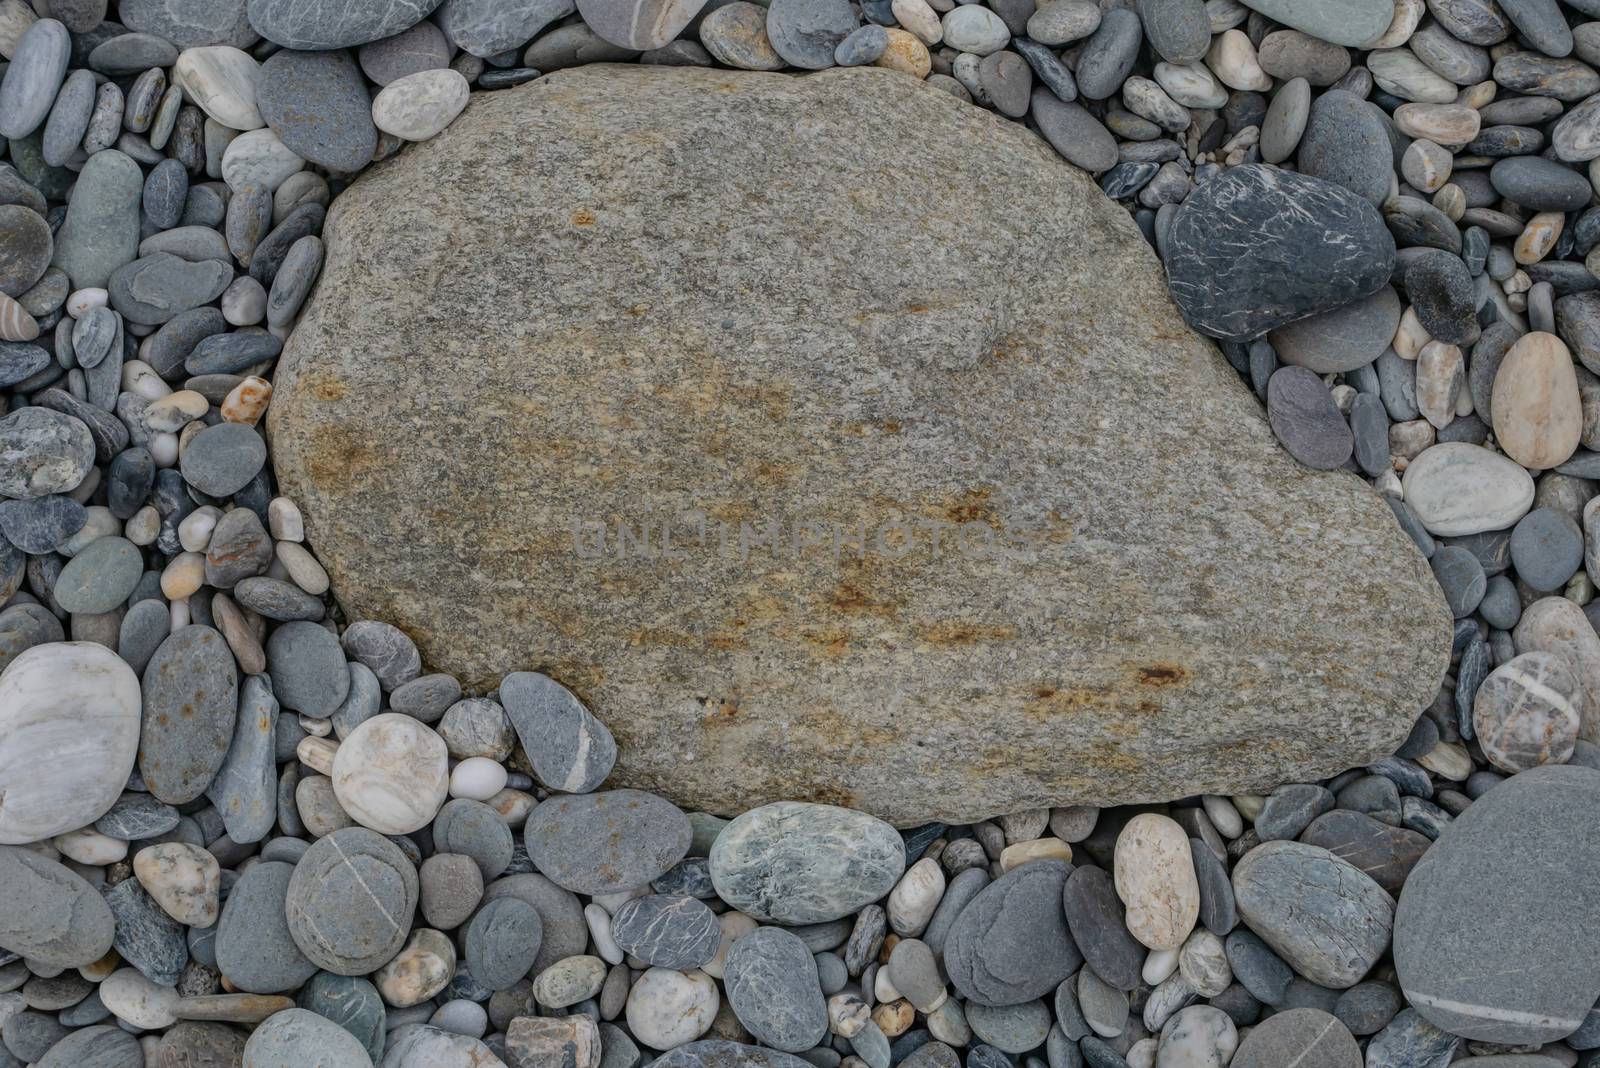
[{"x": 608, "y": 380}]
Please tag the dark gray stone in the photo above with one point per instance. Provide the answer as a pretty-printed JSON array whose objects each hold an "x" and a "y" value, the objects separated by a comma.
[
  {"x": 1073, "y": 132},
  {"x": 1443, "y": 296},
  {"x": 1461, "y": 577},
  {"x": 1409, "y": 1041},
  {"x": 560, "y": 914},
  {"x": 1306, "y": 1038},
  {"x": 147, "y": 937},
  {"x": 1384, "y": 852},
  {"x": 41, "y": 524},
  {"x": 100, "y": 577},
  {"x": 1218, "y": 913},
  {"x": 25, "y": 248},
  {"x": 1546, "y": 549},
  {"x": 1178, "y": 30},
  {"x": 100, "y": 1046},
  {"x": 239, "y": 547},
  {"x": 1306, "y": 419},
  {"x": 1106, "y": 59},
  {"x": 1516, "y": 976},
  {"x": 667, "y": 932},
  {"x": 254, "y": 946},
  {"x": 317, "y": 104},
  {"x": 352, "y": 1003},
  {"x": 191, "y": 698},
  {"x": 383, "y": 648},
  {"x": 488, "y": 27},
  {"x": 1011, "y": 943},
  {"x": 1541, "y": 184},
  {"x": 1346, "y": 142},
  {"x": 136, "y": 817},
  {"x": 569, "y": 748},
  {"x": 1095, "y": 918},
  {"x": 1258, "y": 247},
  {"x": 307, "y": 668},
  {"x": 773, "y": 989},
  {"x": 1261, "y": 971},
  {"x": 190, "y": 23},
  {"x": 1366, "y": 1008},
  {"x": 245, "y": 788},
  {"x": 222, "y": 459}
]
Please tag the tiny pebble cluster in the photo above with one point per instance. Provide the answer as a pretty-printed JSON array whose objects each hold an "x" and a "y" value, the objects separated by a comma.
[{"x": 235, "y": 830}]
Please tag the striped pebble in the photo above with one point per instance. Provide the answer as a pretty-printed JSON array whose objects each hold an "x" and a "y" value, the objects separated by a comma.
[
  {"x": 1526, "y": 713},
  {"x": 15, "y": 322}
]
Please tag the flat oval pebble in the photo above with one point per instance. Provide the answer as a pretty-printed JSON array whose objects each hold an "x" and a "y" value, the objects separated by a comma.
[
  {"x": 1526, "y": 713},
  {"x": 295, "y": 1038},
  {"x": 1457, "y": 488},
  {"x": 806, "y": 32},
  {"x": 419, "y": 106},
  {"x": 1306, "y": 419},
  {"x": 391, "y": 774},
  {"x": 323, "y": 26},
  {"x": 38, "y": 66},
  {"x": 191, "y": 697},
  {"x": 351, "y": 900},
  {"x": 606, "y": 842},
  {"x": 1538, "y": 414},
  {"x": 1011, "y": 943},
  {"x": 772, "y": 987},
  {"x": 52, "y": 916},
  {"x": 317, "y": 104},
  {"x": 666, "y": 931},
  {"x": 795, "y": 863},
  {"x": 502, "y": 942},
  {"x": 254, "y": 946},
  {"x": 70, "y": 714},
  {"x": 1320, "y": 913},
  {"x": 224, "y": 82}
]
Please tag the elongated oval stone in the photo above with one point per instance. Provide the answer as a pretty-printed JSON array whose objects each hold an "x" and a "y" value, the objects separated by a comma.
[
  {"x": 569, "y": 748},
  {"x": 1353, "y": 23},
  {"x": 607, "y": 842},
  {"x": 1260, "y": 247},
  {"x": 191, "y": 697},
  {"x": 101, "y": 231},
  {"x": 69, "y": 717},
  {"x": 792, "y": 862},
  {"x": 336, "y": 24},
  {"x": 1011, "y": 943},
  {"x": 489, "y": 27},
  {"x": 1323, "y": 915},
  {"x": 52, "y": 915},
  {"x": 1497, "y": 934},
  {"x": 1457, "y": 488},
  {"x": 641, "y": 24},
  {"x": 38, "y": 65},
  {"x": 773, "y": 989}
]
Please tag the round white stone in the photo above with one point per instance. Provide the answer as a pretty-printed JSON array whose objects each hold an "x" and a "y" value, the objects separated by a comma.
[
  {"x": 259, "y": 158},
  {"x": 667, "y": 1008},
  {"x": 221, "y": 80},
  {"x": 69, "y": 721},
  {"x": 1456, "y": 488},
  {"x": 391, "y": 774},
  {"x": 137, "y": 1000},
  {"x": 974, "y": 28},
  {"x": 88, "y": 846},
  {"x": 420, "y": 105},
  {"x": 477, "y": 778}
]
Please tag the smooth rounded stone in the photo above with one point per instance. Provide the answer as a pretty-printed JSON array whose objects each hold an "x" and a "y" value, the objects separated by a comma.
[
  {"x": 1006, "y": 80},
  {"x": 422, "y": 969},
  {"x": 1060, "y": 22},
  {"x": 25, "y": 248},
  {"x": 100, "y": 1046},
  {"x": 420, "y": 105},
  {"x": 1527, "y": 712},
  {"x": 1285, "y": 122},
  {"x": 974, "y": 28},
  {"x": 147, "y": 936},
  {"x": 1320, "y": 913},
  {"x": 222, "y": 459},
  {"x": 307, "y": 668},
  {"x": 1343, "y": 339},
  {"x": 23, "y": 626},
  {"x": 1101, "y": 1007},
  {"x": 569, "y": 748},
  {"x": 69, "y": 119},
  {"x": 1345, "y": 142},
  {"x": 736, "y": 34},
  {"x": 772, "y": 987},
  {"x": 385, "y": 649},
  {"x": 1178, "y": 30},
  {"x": 183, "y": 879},
  {"x": 1306, "y": 419},
  {"x": 259, "y": 158},
  {"x": 1384, "y": 852},
  {"x": 350, "y": 901},
  {"x": 155, "y": 288},
  {"x": 1442, "y": 294},
  {"x": 422, "y": 47},
  {"x": 29, "y": 86},
  {"x": 1461, "y": 578},
  {"x": 1234, "y": 224},
  {"x": 1546, "y": 549},
  {"x": 792, "y": 862},
  {"x": 294, "y": 1038},
  {"x": 667, "y": 932},
  {"x": 569, "y": 981},
  {"x": 1505, "y": 848},
  {"x": 294, "y": 25},
  {"x": 255, "y": 949},
  {"x": 43, "y": 452},
  {"x": 861, "y": 46},
  {"x": 717, "y": 1053},
  {"x": 1306, "y": 1038},
  {"x": 623, "y": 718},
  {"x": 1399, "y": 72},
  {"x": 1155, "y": 879},
  {"x": 42, "y": 524},
  {"x": 190, "y": 700},
  {"x": 806, "y": 32},
  {"x": 450, "y": 888},
  {"x": 53, "y": 917},
  {"x": 1011, "y": 943},
  {"x": 423, "y": 1046},
  {"x": 352, "y": 1003},
  {"x": 616, "y": 840},
  {"x": 1456, "y": 488},
  {"x": 317, "y": 104},
  {"x": 1108, "y": 56},
  {"x": 1198, "y": 1036},
  {"x": 1541, "y": 184},
  {"x": 502, "y": 942},
  {"x": 1077, "y": 135},
  {"x": 1288, "y": 54},
  {"x": 194, "y": 1044},
  {"x": 70, "y": 713},
  {"x": 1288, "y": 810},
  {"x": 1538, "y": 413},
  {"x": 391, "y": 774},
  {"x": 476, "y": 830},
  {"x": 1012, "y": 1028},
  {"x": 99, "y": 578}
]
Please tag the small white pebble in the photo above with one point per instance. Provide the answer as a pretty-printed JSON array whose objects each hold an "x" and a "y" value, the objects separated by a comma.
[
  {"x": 163, "y": 449},
  {"x": 284, "y": 521},
  {"x": 194, "y": 530},
  {"x": 316, "y": 726},
  {"x": 143, "y": 527},
  {"x": 1160, "y": 964},
  {"x": 140, "y": 379},
  {"x": 81, "y": 302},
  {"x": 477, "y": 779},
  {"x": 179, "y": 613},
  {"x": 599, "y": 922}
]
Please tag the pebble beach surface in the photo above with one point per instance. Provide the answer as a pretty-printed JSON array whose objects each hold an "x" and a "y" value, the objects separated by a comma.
[{"x": 238, "y": 830}]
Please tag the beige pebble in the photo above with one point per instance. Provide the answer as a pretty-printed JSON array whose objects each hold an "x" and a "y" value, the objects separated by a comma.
[
  {"x": 1407, "y": 440},
  {"x": 1536, "y": 408},
  {"x": 1407, "y": 14},
  {"x": 184, "y": 575},
  {"x": 236, "y": 631},
  {"x": 906, "y": 53},
  {"x": 138, "y": 1001},
  {"x": 185, "y": 880},
  {"x": 1452, "y": 200},
  {"x": 513, "y": 805},
  {"x": 1448, "y": 760},
  {"x": 247, "y": 402},
  {"x": 194, "y": 530},
  {"x": 735, "y": 925},
  {"x": 1443, "y": 124},
  {"x": 15, "y": 322},
  {"x": 88, "y": 846},
  {"x": 317, "y": 754},
  {"x": 1014, "y": 856},
  {"x": 920, "y": 19},
  {"x": 915, "y": 896},
  {"x": 420, "y": 970},
  {"x": 1441, "y": 372},
  {"x": 284, "y": 520},
  {"x": 1480, "y": 95},
  {"x": 1154, "y": 873},
  {"x": 1232, "y": 58},
  {"x": 894, "y": 1018},
  {"x": 392, "y": 774},
  {"x": 1409, "y": 336},
  {"x": 101, "y": 968},
  {"x": 176, "y": 410},
  {"x": 303, "y": 568},
  {"x": 1538, "y": 237}
]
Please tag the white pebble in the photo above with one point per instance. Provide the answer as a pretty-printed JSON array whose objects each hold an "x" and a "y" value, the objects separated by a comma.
[
  {"x": 133, "y": 998},
  {"x": 1160, "y": 964},
  {"x": 163, "y": 449},
  {"x": 194, "y": 530},
  {"x": 82, "y": 301},
  {"x": 599, "y": 923},
  {"x": 477, "y": 778},
  {"x": 88, "y": 846},
  {"x": 420, "y": 105},
  {"x": 915, "y": 896},
  {"x": 284, "y": 520}
]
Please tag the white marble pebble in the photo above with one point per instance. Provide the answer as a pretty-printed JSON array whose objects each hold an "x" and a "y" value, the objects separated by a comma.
[
  {"x": 1232, "y": 58},
  {"x": 598, "y": 920},
  {"x": 317, "y": 754},
  {"x": 1456, "y": 488},
  {"x": 221, "y": 81},
  {"x": 258, "y": 158},
  {"x": 667, "y": 1008},
  {"x": 81, "y": 302},
  {"x": 180, "y": 615},
  {"x": 1158, "y": 965},
  {"x": 70, "y": 714},
  {"x": 194, "y": 529},
  {"x": 477, "y": 778},
  {"x": 914, "y": 898},
  {"x": 136, "y": 1000},
  {"x": 141, "y": 379},
  {"x": 163, "y": 449},
  {"x": 391, "y": 774},
  {"x": 89, "y": 846},
  {"x": 420, "y": 105},
  {"x": 284, "y": 521},
  {"x": 1154, "y": 873}
]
